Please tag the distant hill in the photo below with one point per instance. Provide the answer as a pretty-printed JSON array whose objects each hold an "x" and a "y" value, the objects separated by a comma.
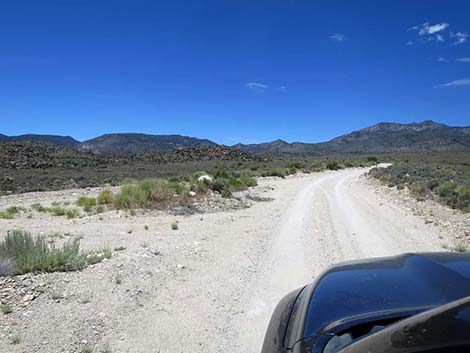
[
  {"x": 259, "y": 148},
  {"x": 65, "y": 141},
  {"x": 381, "y": 138},
  {"x": 140, "y": 143}
]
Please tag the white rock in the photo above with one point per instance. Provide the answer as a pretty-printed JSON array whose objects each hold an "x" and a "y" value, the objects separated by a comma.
[
  {"x": 28, "y": 297},
  {"x": 205, "y": 177}
]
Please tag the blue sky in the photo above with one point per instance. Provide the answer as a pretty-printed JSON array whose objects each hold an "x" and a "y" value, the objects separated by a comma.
[{"x": 231, "y": 71}]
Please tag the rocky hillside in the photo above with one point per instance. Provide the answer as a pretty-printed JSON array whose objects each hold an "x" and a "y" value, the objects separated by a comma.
[
  {"x": 380, "y": 138},
  {"x": 203, "y": 153},
  {"x": 119, "y": 144},
  {"x": 65, "y": 141},
  {"x": 33, "y": 155}
]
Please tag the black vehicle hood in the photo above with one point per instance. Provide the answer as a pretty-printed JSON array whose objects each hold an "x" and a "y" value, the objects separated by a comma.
[{"x": 403, "y": 282}]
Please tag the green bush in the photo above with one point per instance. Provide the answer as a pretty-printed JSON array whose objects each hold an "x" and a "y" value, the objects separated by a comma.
[
  {"x": 57, "y": 211},
  {"x": 149, "y": 193},
  {"x": 248, "y": 181},
  {"x": 38, "y": 207},
  {"x": 222, "y": 186},
  {"x": 10, "y": 212},
  {"x": 6, "y": 215},
  {"x": 30, "y": 254},
  {"x": 418, "y": 189},
  {"x": 87, "y": 203},
  {"x": 278, "y": 172},
  {"x": 332, "y": 165},
  {"x": 106, "y": 197},
  {"x": 72, "y": 213},
  {"x": 178, "y": 188},
  {"x": 447, "y": 189}
]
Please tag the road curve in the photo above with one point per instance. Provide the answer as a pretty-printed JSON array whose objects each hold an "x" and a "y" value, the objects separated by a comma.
[{"x": 334, "y": 217}]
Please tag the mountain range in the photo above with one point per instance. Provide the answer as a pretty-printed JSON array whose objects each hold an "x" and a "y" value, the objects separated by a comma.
[{"x": 381, "y": 138}]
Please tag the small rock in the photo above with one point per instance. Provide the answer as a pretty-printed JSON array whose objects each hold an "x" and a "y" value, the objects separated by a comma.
[{"x": 28, "y": 298}]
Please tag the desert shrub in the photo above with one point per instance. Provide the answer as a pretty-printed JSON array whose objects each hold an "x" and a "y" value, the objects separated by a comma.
[
  {"x": 348, "y": 164},
  {"x": 464, "y": 196},
  {"x": 332, "y": 165},
  {"x": 372, "y": 159},
  {"x": 6, "y": 215},
  {"x": 235, "y": 184},
  {"x": 295, "y": 165},
  {"x": 178, "y": 188},
  {"x": 174, "y": 226},
  {"x": 418, "y": 189},
  {"x": 87, "y": 203},
  {"x": 38, "y": 207},
  {"x": 278, "y": 172},
  {"x": 317, "y": 168},
  {"x": 29, "y": 254},
  {"x": 200, "y": 186},
  {"x": 248, "y": 181},
  {"x": 447, "y": 189},
  {"x": 72, "y": 213},
  {"x": 222, "y": 186},
  {"x": 149, "y": 193},
  {"x": 97, "y": 256},
  {"x": 106, "y": 197},
  {"x": 128, "y": 196},
  {"x": 57, "y": 210},
  {"x": 432, "y": 184},
  {"x": 10, "y": 212}
]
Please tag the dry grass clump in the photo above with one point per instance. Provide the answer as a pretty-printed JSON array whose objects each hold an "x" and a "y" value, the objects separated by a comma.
[{"x": 23, "y": 253}]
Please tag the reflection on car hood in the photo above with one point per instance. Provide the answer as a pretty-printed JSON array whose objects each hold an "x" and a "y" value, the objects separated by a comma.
[
  {"x": 380, "y": 284},
  {"x": 443, "y": 329}
]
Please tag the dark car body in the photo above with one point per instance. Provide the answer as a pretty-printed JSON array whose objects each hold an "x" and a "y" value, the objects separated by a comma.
[{"x": 353, "y": 302}]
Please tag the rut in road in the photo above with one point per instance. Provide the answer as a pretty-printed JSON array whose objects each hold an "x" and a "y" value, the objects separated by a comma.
[{"x": 333, "y": 218}]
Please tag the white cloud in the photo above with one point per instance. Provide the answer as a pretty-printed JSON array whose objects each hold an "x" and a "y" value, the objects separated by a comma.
[
  {"x": 460, "y": 82},
  {"x": 463, "y": 60},
  {"x": 430, "y": 33},
  {"x": 437, "y": 28},
  {"x": 426, "y": 29},
  {"x": 338, "y": 37},
  {"x": 441, "y": 59},
  {"x": 459, "y": 37},
  {"x": 409, "y": 43},
  {"x": 255, "y": 86},
  {"x": 281, "y": 89}
]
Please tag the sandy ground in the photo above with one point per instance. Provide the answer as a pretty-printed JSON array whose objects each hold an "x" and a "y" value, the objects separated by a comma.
[{"x": 211, "y": 285}]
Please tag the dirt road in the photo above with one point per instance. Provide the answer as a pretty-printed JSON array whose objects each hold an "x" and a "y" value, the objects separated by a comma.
[
  {"x": 333, "y": 217},
  {"x": 213, "y": 283}
]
